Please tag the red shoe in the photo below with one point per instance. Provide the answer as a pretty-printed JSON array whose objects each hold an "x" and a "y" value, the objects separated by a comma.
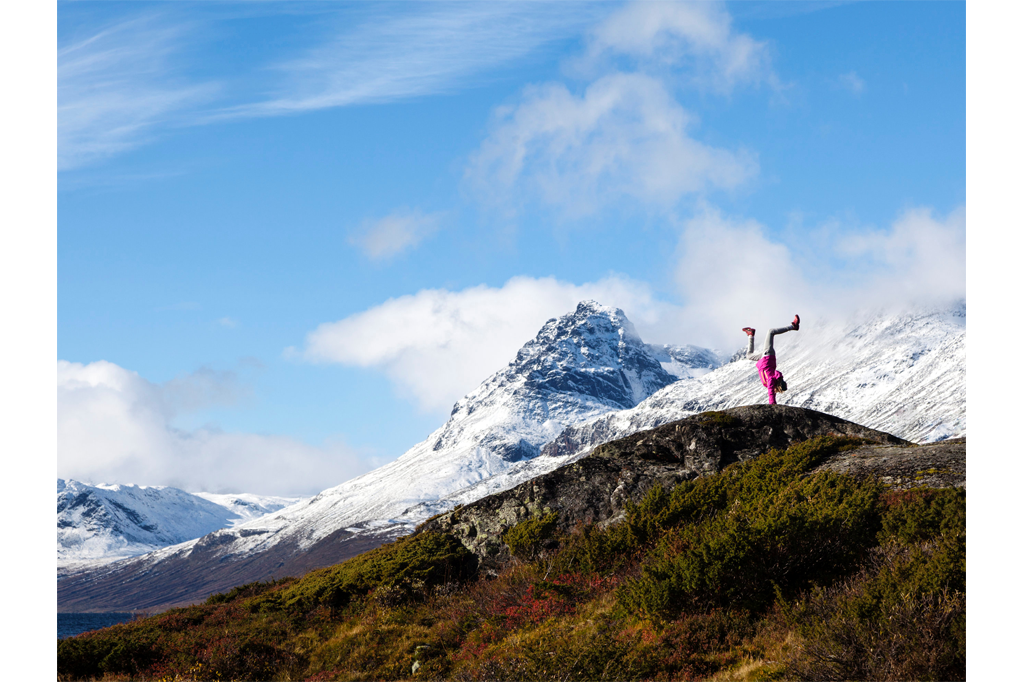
[
  {"x": 796, "y": 322},
  {"x": 749, "y": 331}
]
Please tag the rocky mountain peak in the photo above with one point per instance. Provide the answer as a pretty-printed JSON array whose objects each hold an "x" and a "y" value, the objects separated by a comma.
[
  {"x": 585, "y": 363},
  {"x": 593, "y": 328},
  {"x": 903, "y": 373},
  {"x": 593, "y": 351}
]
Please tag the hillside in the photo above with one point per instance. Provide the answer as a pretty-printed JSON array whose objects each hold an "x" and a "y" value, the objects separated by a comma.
[
  {"x": 600, "y": 487},
  {"x": 905, "y": 374},
  {"x": 587, "y": 378},
  {"x": 722, "y": 546},
  {"x": 586, "y": 363}
]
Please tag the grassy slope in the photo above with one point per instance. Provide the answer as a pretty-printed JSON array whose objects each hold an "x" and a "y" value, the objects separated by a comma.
[{"x": 761, "y": 572}]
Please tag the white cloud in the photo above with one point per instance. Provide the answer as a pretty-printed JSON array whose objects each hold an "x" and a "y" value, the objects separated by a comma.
[
  {"x": 116, "y": 86},
  {"x": 123, "y": 85},
  {"x": 732, "y": 274},
  {"x": 116, "y": 427},
  {"x": 402, "y": 229},
  {"x": 437, "y": 345},
  {"x": 695, "y": 39},
  {"x": 426, "y": 49},
  {"x": 228, "y": 322},
  {"x": 624, "y": 137},
  {"x": 852, "y": 82},
  {"x": 921, "y": 258}
]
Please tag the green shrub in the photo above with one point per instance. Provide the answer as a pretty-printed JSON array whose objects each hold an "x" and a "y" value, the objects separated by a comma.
[
  {"x": 248, "y": 590},
  {"x": 761, "y": 572},
  {"x": 916, "y": 515},
  {"x": 758, "y": 524},
  {"x": 754, "y": 483},
  {"x": 591, "y": 549},
  {"x": 119, "y": 650},
  {"x": 524, "y": 539},
  {"x": 409, "y": 563},
  {"x": 903, "y": 617}
]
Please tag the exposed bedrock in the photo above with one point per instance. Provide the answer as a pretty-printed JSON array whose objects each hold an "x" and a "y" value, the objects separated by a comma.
[{"x": 597, "y": 488}]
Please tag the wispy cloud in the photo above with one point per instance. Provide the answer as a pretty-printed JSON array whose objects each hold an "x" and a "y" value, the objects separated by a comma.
[
  {"x": 123, "y": 85},
  {"x": 436, "y": 345},
  {"x": 412, "y": 50},
  {"x": 118, "y": 86},
  {"x": 731, "y": 273},
  {"x": 695, "y": 40},
  {"x": 921, "y": 257},
  {"x": 732, "y": 269},
  {"x": 624, "y": 137},
  {"x": 401, "y": 230}
]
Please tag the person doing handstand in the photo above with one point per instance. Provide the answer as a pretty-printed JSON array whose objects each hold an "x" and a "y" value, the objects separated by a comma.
[{"x": 771, "y": 378}]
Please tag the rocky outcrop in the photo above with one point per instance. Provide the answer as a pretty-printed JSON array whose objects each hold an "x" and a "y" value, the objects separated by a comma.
[
  {"x": 900, "y": 373},
  {"x": 902, "y": 467},
  {"x": 597, "y": 488}
]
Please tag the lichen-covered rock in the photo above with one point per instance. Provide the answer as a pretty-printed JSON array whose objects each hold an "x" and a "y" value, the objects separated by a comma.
[
  {"x": 596, "y": 489},
  {"x": 903, "y": 467}
]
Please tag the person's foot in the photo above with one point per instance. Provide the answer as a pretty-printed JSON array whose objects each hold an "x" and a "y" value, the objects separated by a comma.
[
  {"x": 749, "y": 331},
  {"x": 796, "y": 322}
]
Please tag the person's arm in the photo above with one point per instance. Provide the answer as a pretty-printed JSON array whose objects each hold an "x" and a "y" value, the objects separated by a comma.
[{"x": 771, "y": 394}]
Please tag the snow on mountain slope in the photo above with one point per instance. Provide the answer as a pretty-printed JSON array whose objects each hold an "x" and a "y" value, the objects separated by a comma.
[
  {"x": 247, "y": 506},
  {"x": 581, "y": 365},
  {"x": 102, "y": 523},
  {"x": 904, "y": 374},
  {"x": 585, "y": 379},
  {"x": 685, "y": 362},
  {"x": 584, "y": 364}
]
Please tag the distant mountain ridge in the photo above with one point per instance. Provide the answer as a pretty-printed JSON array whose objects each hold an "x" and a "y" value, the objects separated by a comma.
[
  {"x": 579, "y": 366},
  {"x": 102, "y": 523},
  {"x": 904, "y": 374},
  {"x": 586, "y": 378}
]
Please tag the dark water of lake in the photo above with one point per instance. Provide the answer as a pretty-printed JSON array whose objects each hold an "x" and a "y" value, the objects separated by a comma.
[{"x": 69, "y": 624}]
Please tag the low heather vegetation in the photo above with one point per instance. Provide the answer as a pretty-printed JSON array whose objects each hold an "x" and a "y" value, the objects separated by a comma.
[{"x": 762, "y": 572}]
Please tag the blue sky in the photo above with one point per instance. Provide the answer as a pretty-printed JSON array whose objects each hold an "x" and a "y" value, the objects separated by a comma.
[{"x": 290, "y": 235}]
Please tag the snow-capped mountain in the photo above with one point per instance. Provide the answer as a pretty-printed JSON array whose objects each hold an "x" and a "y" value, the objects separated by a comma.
[
  {"x": 905, "y": 374},
  {"x": 584, "y": 364},
  {"x": 685, "y": 362},
  {"x": 585, "y": 379},
  {"x": 102, "y": 523}
]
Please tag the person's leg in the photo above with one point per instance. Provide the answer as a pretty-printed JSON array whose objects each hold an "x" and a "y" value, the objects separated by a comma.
[
  {"x": 769, "y": 342},
  {"x": 751, "y": 355}
]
